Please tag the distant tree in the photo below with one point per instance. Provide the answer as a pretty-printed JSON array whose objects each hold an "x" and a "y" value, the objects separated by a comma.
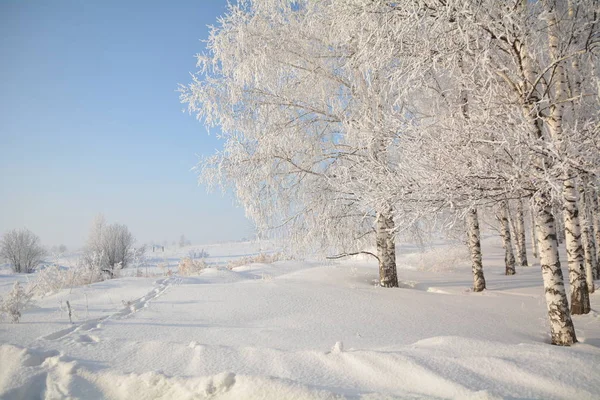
[
  {"x": 110, "y": 247},
  {"x": 22, "y": 249},
  {"x": 57, "y": 250}
]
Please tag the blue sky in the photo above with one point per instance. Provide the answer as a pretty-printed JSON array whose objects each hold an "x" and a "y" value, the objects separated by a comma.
[{"x": 90, "y": 121}]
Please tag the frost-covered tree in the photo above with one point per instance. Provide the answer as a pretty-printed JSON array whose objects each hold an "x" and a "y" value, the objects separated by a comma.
[
  {"x": 349, "y": 121},
  {"x": 299, "y": 118},
  {"x": 529, "y": 46},
  {"x": 22, "y": 249},
  {"x": 517, "y": 142},
  {"x": 109, "y": 247}
]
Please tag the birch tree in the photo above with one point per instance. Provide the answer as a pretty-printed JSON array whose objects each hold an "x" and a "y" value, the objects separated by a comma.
[
  {"x": 298, "y": 117},
  {"x": 509, "y": 258},
  {"x": 595, "y": 219},
  {"x": 347, "y": 121},
  {"x": 519, "y": 43},
  {"x": 534, "y": 242},
  {"x": 587, "y": 237},
  {"x": 520, "y": 234},
  {"x": 579, "y": 295},
  {"x": 475, "y": 249}
]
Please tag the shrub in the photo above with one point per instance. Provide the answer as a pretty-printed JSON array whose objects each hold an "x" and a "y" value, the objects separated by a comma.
[
  {"x": 22, "y": 249},
  {"x": 17, "y": 300},
  {"x": 261, "y": 258},
  {"x": 188, "y": 266},
  {"x": 54, "y": 278}
]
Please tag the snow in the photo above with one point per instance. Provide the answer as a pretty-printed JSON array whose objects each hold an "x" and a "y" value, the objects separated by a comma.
[{"x": 301, "y": 330}]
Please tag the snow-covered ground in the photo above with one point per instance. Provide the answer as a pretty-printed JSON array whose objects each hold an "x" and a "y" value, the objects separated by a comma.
[{"x": 300, "y": 330}]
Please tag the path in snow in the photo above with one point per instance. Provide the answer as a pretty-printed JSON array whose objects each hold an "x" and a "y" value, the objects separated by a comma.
[{"x": 79, "y": 332}]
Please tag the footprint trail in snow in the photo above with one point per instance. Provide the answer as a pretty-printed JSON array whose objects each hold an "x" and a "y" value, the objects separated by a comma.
[{"x": 79, "y": 333}]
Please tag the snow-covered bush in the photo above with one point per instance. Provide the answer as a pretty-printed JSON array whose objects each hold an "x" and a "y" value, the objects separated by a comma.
[
  {"x": 54, "y": 278},
  {"x": 17, "y": 300},
  {"x": 261, "y": 258},
  {"x": 113, "y": 244},
  {"x": 165, "y": 268},
  {"x": 188, "y": 266},
  {"x": 139, "y": 260},
  {"x": 22, "y": 249},
  {"x": 51, "y": 279}
]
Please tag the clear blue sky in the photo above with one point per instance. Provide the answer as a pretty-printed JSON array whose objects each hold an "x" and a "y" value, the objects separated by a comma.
[{"x": 90, "y": 120}]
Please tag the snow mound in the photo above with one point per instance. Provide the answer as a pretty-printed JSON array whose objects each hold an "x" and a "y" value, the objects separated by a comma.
[{"x": 28, "y": 374}]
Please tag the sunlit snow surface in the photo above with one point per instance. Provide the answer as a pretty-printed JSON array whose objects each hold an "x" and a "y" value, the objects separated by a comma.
[{"x": 300, "y": 330}]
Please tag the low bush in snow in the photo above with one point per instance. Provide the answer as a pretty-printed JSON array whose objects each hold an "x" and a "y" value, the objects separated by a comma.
[
  {"x": 261, "y": 258},
  {"x": 55, "y": 277},
  {"x": 189, "y": 266},
  {"x": 17, "y": 300}
]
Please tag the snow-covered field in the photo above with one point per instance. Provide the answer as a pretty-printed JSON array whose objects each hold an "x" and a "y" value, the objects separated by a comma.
[{"x": 300, "y": 330}]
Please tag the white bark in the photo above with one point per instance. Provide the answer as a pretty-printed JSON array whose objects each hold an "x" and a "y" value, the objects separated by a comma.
[
  {"x": 590, "y": 257},
  {"x": 587, "y": 235},
  {"x": 520, "y": 235},
  {"x": 562, "y": 331},
  {"x": 561, "y": 324},
  {"x": 473, "y": 238},
  {"x": 534, "y": 242},
  {"x": 386, "y": 249},
  {"x": 509, "y": 257},
  {"x": 560, "y": 226},
  {"x": 580, "y": 300},
  {"x": 595, "y": 216}
]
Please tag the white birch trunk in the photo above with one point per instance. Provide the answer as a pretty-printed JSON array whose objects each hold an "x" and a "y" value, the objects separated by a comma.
[
  {"x": 595, "y": 216},
  {"x": 509, "y": 257},
  {"x": 534, "y": 243},
  {"x": 520, "y": 235},
  {"x": 560, "y": 226},
  {"x": 562, "y": 330},
  {"x": 580, "y": 298},
  {"x": 474, "y": 242},
  {"x": 586, "y": 196},
  {"x": 587, "y": 235},
  {"x": 590, "y": 257},
  {"x": 386, "y": 249}
]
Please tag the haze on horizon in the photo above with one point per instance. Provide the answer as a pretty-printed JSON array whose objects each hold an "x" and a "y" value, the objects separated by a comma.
[{"x": 91, "y": 122}]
